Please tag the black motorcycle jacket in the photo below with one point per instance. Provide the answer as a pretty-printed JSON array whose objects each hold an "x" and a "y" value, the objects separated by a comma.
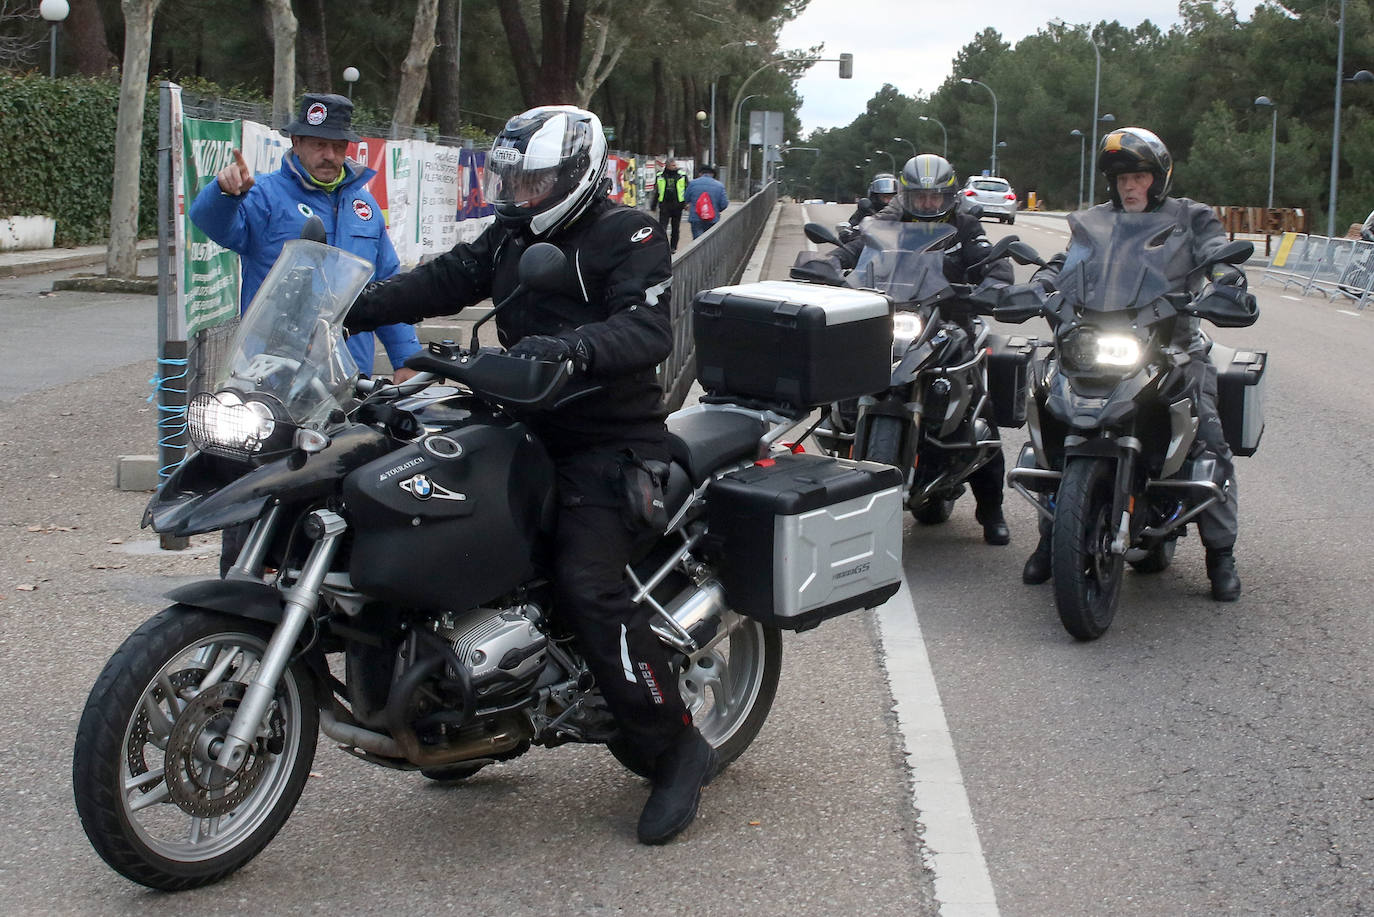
[
  {"x": 1205, "y": 235},
  {"x": 969, "y": 246},
  {"x": 615, "y": 302}
]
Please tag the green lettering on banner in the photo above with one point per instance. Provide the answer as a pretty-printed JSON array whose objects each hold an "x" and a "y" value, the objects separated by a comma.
[{"x": 209, "y": 271}]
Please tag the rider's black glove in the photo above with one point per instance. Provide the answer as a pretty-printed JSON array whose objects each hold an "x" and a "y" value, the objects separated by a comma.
[
  {"x": 555, "y": 349},
  {"x": 1229, "y": 282}
]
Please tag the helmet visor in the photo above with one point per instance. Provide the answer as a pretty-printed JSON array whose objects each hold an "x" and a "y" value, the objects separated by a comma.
[
  {"x": 927, "y": 202},
  {"x": 535, "y": 163}
]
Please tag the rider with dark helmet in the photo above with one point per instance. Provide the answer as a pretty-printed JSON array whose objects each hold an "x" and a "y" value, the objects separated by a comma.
[
  {"x": 546, "y": 179},
  {"x": 928, "y": 192},
  {"x": 1139, "y": 171},
  {"x": 881, "y": 191}
]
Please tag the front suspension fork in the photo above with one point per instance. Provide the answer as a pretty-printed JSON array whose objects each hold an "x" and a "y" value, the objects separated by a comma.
[{"x": 301, "y": 601}]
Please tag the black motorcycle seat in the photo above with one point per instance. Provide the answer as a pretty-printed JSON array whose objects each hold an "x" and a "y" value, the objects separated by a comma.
[{"x": 703, "y": 441}]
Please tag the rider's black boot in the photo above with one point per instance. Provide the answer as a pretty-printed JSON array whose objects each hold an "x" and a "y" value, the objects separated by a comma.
[
  {"x": 1037, "y": 568},
  {"x": 1221, "y": 570},
  {"x": 679, "y": 774},
  {"x": 994, "y": 525}
]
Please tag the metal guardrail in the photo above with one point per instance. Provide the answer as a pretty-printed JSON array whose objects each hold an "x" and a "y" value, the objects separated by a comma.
[
  {"x": 1332, "y": 267},
  {"x": 716, "y": 259}
]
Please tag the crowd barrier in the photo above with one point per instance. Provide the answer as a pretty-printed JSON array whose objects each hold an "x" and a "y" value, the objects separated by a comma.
[{"x": 1333, "y": 267}]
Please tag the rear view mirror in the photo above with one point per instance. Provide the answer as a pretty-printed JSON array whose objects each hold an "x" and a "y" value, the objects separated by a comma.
[
  {"x": 1023, "y": 253},
  {"x": 543, "y": 268},
  {"x": 313, "y": 231},
  {"x": 1237, "y": 252},
  {"x": 818, "y": 233}
]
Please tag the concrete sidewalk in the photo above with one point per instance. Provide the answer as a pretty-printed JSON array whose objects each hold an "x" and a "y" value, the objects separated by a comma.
[{"x": 42, "y": 260}]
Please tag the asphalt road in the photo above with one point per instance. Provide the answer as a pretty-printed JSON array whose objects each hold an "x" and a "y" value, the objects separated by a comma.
[
  {"x": 814, "y": 817},
  {"x": 1200, "y": 758}
]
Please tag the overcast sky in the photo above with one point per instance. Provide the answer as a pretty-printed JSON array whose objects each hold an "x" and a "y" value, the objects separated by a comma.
[{"x": 912, "y": 43}]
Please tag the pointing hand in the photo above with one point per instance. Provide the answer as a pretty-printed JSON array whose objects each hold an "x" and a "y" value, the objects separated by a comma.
[{"x": 235, "y": 178}]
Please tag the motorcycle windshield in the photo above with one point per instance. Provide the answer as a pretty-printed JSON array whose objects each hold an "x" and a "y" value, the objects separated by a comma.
[
  {"x": 904, "y": 260},
  {"x": 1118, "y": 261},
  {"x": 289, "y": 349}
]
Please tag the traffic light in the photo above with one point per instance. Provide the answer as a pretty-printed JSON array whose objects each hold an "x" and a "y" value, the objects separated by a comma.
[{"x": 846, "y": 66}]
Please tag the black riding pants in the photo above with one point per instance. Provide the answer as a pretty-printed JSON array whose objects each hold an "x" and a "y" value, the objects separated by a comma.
[{"x": 593, "y": 544}]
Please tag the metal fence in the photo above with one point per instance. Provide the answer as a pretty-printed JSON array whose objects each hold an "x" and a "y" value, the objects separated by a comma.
[
  {"x": 1332, "y": 267},
  {"x": 716, "y": 258}
]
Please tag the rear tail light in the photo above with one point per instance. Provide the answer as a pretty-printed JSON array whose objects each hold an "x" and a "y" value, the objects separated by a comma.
[
  {"x": 1010, "y": 196},
  {"x": 970, "y": 193}
]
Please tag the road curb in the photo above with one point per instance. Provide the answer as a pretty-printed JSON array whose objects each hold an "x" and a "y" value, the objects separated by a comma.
[{"x": 42, "y": 261}]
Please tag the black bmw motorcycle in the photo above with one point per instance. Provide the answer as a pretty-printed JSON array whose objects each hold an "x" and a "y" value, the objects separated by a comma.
[
  {"x": 1113, "y": 459},
  {"x": 949, "y": 372},
  {"x": 391, "y": 591}
]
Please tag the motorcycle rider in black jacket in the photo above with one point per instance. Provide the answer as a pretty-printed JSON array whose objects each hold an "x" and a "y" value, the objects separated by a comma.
[
  {"x": 881, "y": 191},
  {"x": 927, "y": 192},
  {"x": 545, "y": 176},
  {"x": 1138, "y": 169}
]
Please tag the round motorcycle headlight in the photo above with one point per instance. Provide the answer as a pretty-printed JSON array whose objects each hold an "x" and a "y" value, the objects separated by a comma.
[{"x": 906, "y": 327}]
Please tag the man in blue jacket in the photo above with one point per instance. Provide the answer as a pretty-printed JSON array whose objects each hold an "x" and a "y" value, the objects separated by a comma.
[
  {"x": 257, "y": 217},
  {"x": 705, "y": 183}
]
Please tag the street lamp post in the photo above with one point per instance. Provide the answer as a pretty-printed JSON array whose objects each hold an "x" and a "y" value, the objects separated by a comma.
[
  {"x": 908, "y": 143},
  {"x": 748, "y": 43},
  {"x": 53, "y": 11},
  {"x": 892, "y": 160},
  {"x": 1266, "y": 102},
  {"x": 350, "y": 76},
  {"x": 944, "y": 134},
  {"x": 994, "y": 118},
  {"x": 1363, "y": 76},
  {"x": 1082, "y": 138},
  {"x": 1097, "y": 87},
  {"x": 734, "y": 138},
  {"x": 845, "y": 60}
]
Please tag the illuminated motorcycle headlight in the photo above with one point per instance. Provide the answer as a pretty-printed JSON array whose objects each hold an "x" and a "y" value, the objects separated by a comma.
[
  {"x": 1086, "y": 349},
  {"x": 906, "y": 327},
  {"x": 225, "y": 424}
]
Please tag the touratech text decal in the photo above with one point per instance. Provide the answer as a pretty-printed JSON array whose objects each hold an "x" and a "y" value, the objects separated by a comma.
[{"x": 386, "y": 475}]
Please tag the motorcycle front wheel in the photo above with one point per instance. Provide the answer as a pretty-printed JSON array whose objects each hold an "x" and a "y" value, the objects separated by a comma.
[
  {"x": 1087, "y": 575},
  {"x": 151, "y": 801}
]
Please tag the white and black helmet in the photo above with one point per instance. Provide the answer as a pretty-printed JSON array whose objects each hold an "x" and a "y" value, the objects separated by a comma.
[{"x": 546, "y": 167}]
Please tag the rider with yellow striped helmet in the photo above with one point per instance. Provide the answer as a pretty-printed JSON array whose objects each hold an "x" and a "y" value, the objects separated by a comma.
[{"x": 928, "y": 188}]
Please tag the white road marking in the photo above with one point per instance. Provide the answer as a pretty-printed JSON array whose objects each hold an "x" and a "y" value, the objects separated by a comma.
[
  {"x": 952, "y": 851},
  {"x": 806, "y": 218},
  {"x": 1294, "y": 298},
  {"x": 1348, "y": 312},
  {"x": 940, "y": 805}
]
